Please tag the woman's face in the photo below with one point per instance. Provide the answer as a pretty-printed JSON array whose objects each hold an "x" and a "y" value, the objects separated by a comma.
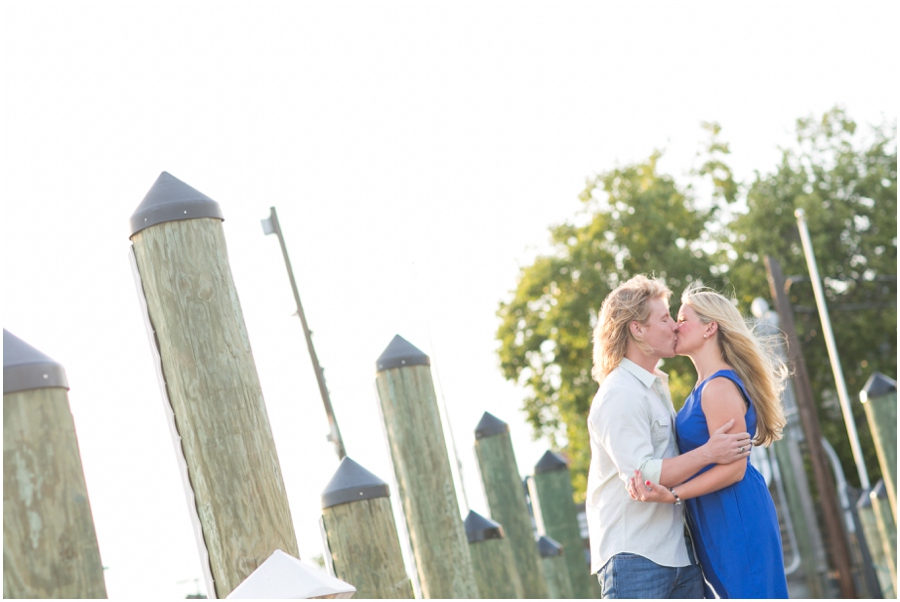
[{"x": 689, "y": 331}]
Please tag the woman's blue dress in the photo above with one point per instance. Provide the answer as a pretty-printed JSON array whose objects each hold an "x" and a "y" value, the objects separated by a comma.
[{"x": 735, "y": 529}]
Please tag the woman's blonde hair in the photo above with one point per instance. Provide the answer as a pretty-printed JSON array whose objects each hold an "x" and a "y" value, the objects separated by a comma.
[
  {"x": 752, "y": 355},
  {"x": 628, "y": 303}
]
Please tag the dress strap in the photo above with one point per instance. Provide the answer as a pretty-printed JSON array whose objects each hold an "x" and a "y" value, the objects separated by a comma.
[{"x": 733, "y": 377}]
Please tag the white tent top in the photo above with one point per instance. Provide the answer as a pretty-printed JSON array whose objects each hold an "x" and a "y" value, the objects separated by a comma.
[{"x": 283, "y": 576}]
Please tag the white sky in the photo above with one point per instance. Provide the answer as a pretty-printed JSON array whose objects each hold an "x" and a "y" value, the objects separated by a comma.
[{"x": 416, "y": 153}]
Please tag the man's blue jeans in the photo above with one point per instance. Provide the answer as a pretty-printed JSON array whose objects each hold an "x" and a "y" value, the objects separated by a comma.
[{"x": 631, "y": 576}]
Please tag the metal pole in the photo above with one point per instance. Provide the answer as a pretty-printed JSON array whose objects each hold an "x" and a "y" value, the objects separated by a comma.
[
  {"x": 271, "y": 226},
  {"x": 832, "y": 351}
]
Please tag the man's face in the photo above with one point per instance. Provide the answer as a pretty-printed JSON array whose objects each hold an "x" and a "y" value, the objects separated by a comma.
[{"x": 659, "y": 330}]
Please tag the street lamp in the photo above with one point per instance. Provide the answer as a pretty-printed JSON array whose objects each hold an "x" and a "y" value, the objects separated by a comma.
[{"x": 270, "y": 225}]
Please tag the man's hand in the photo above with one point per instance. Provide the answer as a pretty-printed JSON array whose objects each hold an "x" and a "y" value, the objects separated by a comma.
[{"x": 725, "y": 448}]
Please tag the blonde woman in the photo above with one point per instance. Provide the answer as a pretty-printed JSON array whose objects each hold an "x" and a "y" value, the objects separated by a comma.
[{"x": 729, "y": 508}]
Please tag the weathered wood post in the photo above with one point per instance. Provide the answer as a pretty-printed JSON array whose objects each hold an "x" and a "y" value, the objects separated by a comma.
[
  {"x": 361, "y": 534},
  {"x": 217, "y": 412},
  {"x": 789, "y": 460},
  {"x": 887, "y": 528},
  {"x": 492, "y": 558},
  {"x": 49, "y": 543},
  {"x": 560, "y": 518},
  {"x": 506, "y": 500},
  {"x": 422, "y": 467},
  {"x": 878, "y": 540},
  {"x": 879, "y": 399},
  {"x": 555, "y": 570},
  {"x": 789, "y": 463},
  {"x": 838, "y": 544}
]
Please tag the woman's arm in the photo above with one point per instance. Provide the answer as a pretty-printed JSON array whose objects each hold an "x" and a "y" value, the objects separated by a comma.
[
  {"x": 721, "y": 401},
  {"x": 726, "y": 445}
]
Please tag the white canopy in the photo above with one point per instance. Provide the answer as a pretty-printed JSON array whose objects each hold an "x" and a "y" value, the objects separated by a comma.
[{"x": 283, "y": 576}]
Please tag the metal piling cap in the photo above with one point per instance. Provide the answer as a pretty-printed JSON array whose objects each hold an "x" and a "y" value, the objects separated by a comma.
[
  {"x": 169, "y": 200},
  {"x": 25, "y": 368},
  {"x": 399, "y": 353},
  {"x": 480, "y": 528},
  {"x": 490, "y": 425},
  {"x": 550, "y": 461},
  {"x": 549, "y": 547},
  {"x": 878, "y": 385},
  {"x": 352, "y": 483}
]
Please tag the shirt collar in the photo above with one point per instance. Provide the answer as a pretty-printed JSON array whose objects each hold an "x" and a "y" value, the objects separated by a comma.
[{"x": 642, "y": 375}]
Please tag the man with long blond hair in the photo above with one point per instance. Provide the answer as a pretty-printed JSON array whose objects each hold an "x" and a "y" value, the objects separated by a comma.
[{"x": 641, "y": 550}]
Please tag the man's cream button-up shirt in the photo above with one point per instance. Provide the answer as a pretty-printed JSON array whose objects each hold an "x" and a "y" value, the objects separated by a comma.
[{"x": 632, "y": 427}]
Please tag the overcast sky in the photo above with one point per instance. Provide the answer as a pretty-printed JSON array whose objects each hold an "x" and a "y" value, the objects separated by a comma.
[{"x": 417, "y": 154}]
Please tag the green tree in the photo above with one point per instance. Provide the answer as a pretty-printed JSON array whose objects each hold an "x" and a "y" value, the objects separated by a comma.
[
  {"x": 847, "y": 185},
  {"x": 635, "y": 220}
]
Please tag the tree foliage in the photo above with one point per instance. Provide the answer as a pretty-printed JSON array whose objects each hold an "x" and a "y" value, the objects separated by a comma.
[
  {"x": 637, "y": 220},
  {"x": 847, "y": 186}
]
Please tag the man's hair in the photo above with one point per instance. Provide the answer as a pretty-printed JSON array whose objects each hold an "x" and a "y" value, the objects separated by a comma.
[
  {"x": 751, "y": 354},
  {"x": 629, "y": 302}
]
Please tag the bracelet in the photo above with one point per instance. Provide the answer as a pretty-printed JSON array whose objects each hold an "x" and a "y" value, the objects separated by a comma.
[{"x": 677, "y": 499}]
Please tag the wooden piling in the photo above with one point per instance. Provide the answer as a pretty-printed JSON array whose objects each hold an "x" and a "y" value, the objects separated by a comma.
[
  {"x": 556, "y": 573},
  {"x": 789, "y": 464},
  {"x": 211, "y": 382},
  {"x": 506, "y": 500},
  {"x": 887, "y": 529},
  {"x": 50, "y": 546},
  {"x": 823, "y": 478},
  {"x": 876, "y": 545},
  {"x": 553, "y": 484},
  {"x": 492, "y": 558},
  {"x": 879, "y": 397},
  {"x": 422, "y": 467},
  {"x": 361, "y": 534}
]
